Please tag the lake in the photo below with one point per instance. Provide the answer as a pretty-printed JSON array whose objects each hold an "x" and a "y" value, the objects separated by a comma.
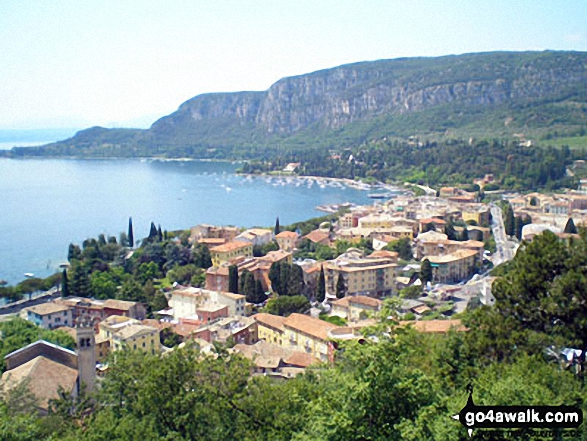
[{"x": 45, "y": 204}]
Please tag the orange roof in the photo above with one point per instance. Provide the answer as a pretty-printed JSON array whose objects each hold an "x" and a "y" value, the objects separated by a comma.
[
  {"x": 301, "y": 359},
  {"x": 433, "y": 220},
  {"x": 384, "y": 253},
  {"x": 230, "y": 246},
  {"x": 309, "y": 325},
  {"x": 274, "y": 321},
  {"x": 367, "y": 301},
  {"x": 287, "y": 235},
  {"x": 435, "y": 326},
  {"x": 317, "y": 236}
]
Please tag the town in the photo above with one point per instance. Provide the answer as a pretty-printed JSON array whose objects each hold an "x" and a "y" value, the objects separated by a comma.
[{"x": 285, "y": 298}]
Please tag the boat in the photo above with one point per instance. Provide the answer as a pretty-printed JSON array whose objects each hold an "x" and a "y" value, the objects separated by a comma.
[
  {"x": 381, "y": 195},
  {"x": 29, "y": 275}
]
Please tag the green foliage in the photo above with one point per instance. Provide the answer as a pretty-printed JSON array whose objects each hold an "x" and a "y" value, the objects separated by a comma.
[
  {"x": 411, "y": 292},
  {"x": 201, "y": 256},
  {"x": 233, "y": 279},
  {"x": 334, "y": 319},
  {"x": 321, "y": 287},
  {"x": 341, "y": 288},
  {"x": 570, "y": 227},
  {"x": 286, "y": 305},
  {"x": 426, "y": 271},
  {"x": 403, "y": 247},
  {"x": 18, "y": 333},
  {"x": 262, "y": 250}
]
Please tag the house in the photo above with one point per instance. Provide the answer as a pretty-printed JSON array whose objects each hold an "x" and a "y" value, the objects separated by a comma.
[
  {"x": 275, "y": 360},
  {"x": 125, "y": 308},
  {"x": 318, "y": 237},
  {"x": 137, "y": 336},
  {"x": 438, "y": 224},
  {"x": 230, "y": 251},
  {"x": 355, "y": 308},
  {"x": 186, "y": 301},
  {"x": 46, "y": 369},
  {"x": 255, "y": 236},
  {"x": 291, "y": 167},
  {"x": 287, "y": 240},
  {"x": 213, "y": 232},
  {"x": 50, "y": 315}
]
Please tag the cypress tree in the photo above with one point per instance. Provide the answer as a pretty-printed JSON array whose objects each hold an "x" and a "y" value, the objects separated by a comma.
[
  {"x": 509, "y": 222},
  {"x": 130, "y": 235},
  {"x": 153, "y": 233},
  {"x": 260, "y": 295},
  {"x": 249, "y": 287},
  {"x": 570, "y": 227},
  {"x": 340, "y": 287},
  {"x": 159, "y": 234},
  {"x": 233, "y": 279},
  {"x": 277, "y": 229},
  {"x": 426, "y": 271},
  {"x": 275, "y": 277},
  {"x": 296, "y": 281},
  {"x": 64, "y": 284},
  {"x": 284, "y": 279},
  {"x": 464, "y": 234},
  {"x": 321, "y": 288}
]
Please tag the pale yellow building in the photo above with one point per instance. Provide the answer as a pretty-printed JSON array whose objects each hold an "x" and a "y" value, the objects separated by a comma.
[
  {"x": 308, "y": 334},
  {"x": 229, "y": 251},
  {"x": 145, "y": 338},
  {"x": 453, "y": 267},
  {"x": 270, "y": 328},
  {"x": 362, "y": 275},
  {"x": 287, "y": 240}
]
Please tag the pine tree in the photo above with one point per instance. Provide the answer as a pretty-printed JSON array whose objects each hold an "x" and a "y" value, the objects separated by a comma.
[
  {"x": 277, "y": 229},
  {"x": 570, "y": 227},
  {"x": 64, "y": 284},
  {"x": 233, "y": 279},
  {"x": 321, "y": 288},
  {"x": 130, "y": 235},
  {"x": 340, "y": 287}
]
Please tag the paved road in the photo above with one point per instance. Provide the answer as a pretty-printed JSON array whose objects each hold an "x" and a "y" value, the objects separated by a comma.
[{"x": 505, "y": 248}]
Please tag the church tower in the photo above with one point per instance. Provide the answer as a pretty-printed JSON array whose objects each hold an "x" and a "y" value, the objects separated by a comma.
[{"x": 86, "y": 355}]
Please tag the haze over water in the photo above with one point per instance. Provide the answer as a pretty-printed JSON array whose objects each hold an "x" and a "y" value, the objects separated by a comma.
[{"x": 45, "y": 204}]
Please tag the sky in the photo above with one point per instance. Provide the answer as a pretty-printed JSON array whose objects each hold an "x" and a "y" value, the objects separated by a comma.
[{"x": 81, "y": 63}]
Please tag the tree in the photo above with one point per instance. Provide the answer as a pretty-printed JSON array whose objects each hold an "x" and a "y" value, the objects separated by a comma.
[
  {"x": 64, "y": 284},
  {"x": 275, "y": 277},
  {"x": 426, "y": 271},
  {"x": 233, "y": 279},
  {"x": 403, "y": 248},
  {"x": 201, "y": 256},
  {"x": 74, "y": 253},
  {"x": 80, "y": 283},
  {"x": 570, "y": 227},
  {"x": 509, "y": 221},
  {"x": 464, "y": 236},
  {"x": 249, "y": 287},
  {"x": 284, "y": 272},
  {"x": 260, "y": 295},
  {"x": 296, "y": 281},
  {"x": 286, "y": 305},
  {"x": 341, "y": 288},
  {"x": 130, "y": 236},
  {"x": 321, "y": 287},
  {"x": 159, "y": 234},
  {"x": 159, "y": 302},
  {"x": 153, "y": 233},
  {"x": 102, "y": 285},
  {"x": 277, "y": 229}
]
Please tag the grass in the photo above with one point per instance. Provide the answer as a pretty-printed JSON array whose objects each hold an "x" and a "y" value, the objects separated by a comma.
[{"x": 574, "y": 142}]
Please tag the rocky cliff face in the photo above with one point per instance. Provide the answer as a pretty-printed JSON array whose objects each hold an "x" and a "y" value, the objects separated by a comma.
[{"x": 334, "y": 98}]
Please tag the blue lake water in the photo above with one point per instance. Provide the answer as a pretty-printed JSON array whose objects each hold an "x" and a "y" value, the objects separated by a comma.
[{"x": 45, "y": 204}]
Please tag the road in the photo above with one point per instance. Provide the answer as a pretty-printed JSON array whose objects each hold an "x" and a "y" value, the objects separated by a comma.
[{"x": 505, "y": 248}]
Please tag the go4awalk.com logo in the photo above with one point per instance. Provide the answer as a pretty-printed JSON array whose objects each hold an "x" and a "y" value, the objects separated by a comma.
[{"x": 517, "y": 417}]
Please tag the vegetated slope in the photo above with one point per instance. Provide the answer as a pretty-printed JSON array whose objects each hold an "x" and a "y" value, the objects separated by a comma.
[{"x": 487, "y": 94}]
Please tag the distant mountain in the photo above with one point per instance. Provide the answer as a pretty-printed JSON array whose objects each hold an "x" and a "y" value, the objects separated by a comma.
[{"x": 496, "y": 94}]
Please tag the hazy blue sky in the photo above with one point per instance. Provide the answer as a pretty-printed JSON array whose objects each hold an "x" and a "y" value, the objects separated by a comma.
[{"x": 77, "y": 63}]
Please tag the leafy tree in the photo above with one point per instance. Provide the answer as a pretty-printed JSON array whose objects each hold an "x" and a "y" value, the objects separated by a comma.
[
  {"x": 103, "y": 285},
  {"x": 148, "y": 271},
  {"x": 425, "y": 271},
  {"x": 570, "y": 227},
  {"x": 403, "y": 247},
  {"x": 159, "y": 302},
  {"x": 132, "y": 291},
  {"x": 201, "y": 256},
  {"x": 80, "y": 283},
  {"x": 321, "y": 287},
  {"x": 286, "y": 305},
  {"x": 130, "y": 238},
  {"x": 233, "y": 279},
  {"x": 341, "y": 288},
  {"x": 184, "y": 274}
]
